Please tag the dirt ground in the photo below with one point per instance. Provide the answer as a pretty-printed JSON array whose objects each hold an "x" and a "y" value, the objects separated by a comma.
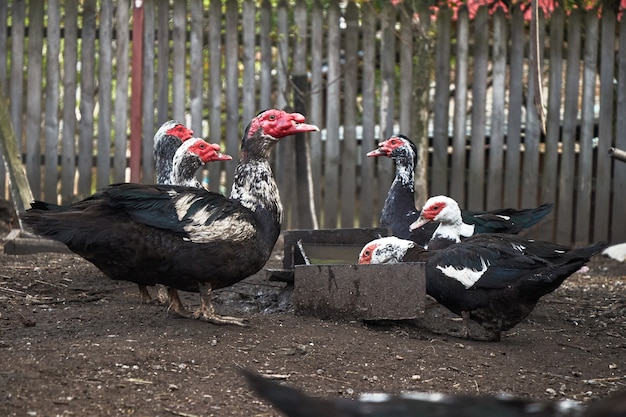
[{"x": 73, "y": 342}]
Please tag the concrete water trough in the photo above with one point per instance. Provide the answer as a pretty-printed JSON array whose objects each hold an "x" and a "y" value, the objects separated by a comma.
[{"x": 329, "y": 283}]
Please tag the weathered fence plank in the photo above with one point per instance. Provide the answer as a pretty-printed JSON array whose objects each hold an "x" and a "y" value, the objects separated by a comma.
[
  {"x": 476, "y": 186},
  {"x": 105, "y": 83},
  {"x": 285, "y": 153},
  {"x": 196, "y": 66},
  {"x": 406, "y": 70},
  {"x": 585, "y": 158},
  {"x": 70, "y": 57},
  {"x": 532, "y": 133},
  {"x": 439, "y": 170},
  {"x": 121, "y": 89},
  {"x": 369, "y": 185},
  {"x": 16, "y": 86},
  {"x": 514, "y": 121},
  {"x": 387, "y": 94},
  {"x": 618, "y": 224},
  {"x": 33, "y": 92},
  {"x": 350, "y": 153},
  {"x": 163, "y": 60},
  {"x": 51, "y": 129},
  {"x": 549, "y": 178},
  {"x": 565, "y": 203},
  {"x": 605, "y": 129},
  {"x": 496, "y": 136},
  {"x": 179, "y": 56},
  {"x": 231, "y": 80},
  {"x": 87, "y": 101},
  {"x": 148, "y": 102},
  {"x": 459, "y": 127},
  {"x": 333, "y": 83},
  {"x": 215, "y": 89},
  {"x": 316, "y": 110},
  {"x": 248, "y": 99}
]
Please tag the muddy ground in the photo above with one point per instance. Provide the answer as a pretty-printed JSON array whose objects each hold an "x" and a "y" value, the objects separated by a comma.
[{"x": 73, "y": 342}]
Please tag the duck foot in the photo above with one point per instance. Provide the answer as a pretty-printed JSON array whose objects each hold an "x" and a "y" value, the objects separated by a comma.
[
  {"x": 207, "y": 311},
  {"x": 163, "y": 295},
  {"x": 175, "y": 305},
  {"x": 145, "y": 295}
]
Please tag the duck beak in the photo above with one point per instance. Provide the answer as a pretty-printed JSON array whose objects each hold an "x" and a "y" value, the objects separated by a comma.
[{"x": 418, "y": 223}]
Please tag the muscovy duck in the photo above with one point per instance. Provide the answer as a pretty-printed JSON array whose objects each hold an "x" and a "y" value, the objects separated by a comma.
[
  {"x": 446, "y": 214},
  {"x": 185, "y": 238},
  {"x": 189, "y": 157},
  {"x": 166, "y": 141},
  {"x": 399, "y": 209},
  {"x": 295, "y": 403},
  {"x": 496, "y": 281}
]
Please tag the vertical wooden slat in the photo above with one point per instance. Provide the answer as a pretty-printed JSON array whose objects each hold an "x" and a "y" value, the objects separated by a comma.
[
  {"x": 148, "y": 103},
  {"x": 179, "y": 56},
  {"x": 439, "y": 170},
  {"x": 476, "y": 186},
  {"x": 196, "y": 66},
  {"x": 105, "y": 83},
  {"x": 618, "y": 220},
  {"x": 215, "y": 89},
  {"x": 601, "y": 207},
  {"x": 4, "y": 6},
  {"x": 496, "y": 136},
  {"x": 349, "y": 156},
  {"x": 306, "y": 214},
  {"x": 68, "y": 152},
  {"x": 53, "y": 48},
  {"x": 565, "y": 202},
  {"x": 265, "y": 31},
  {"x": 16, "y": 86},
  {"x": 248, "y": 50},
  {"x": 514, "y": 120},
  {"x": 33, "y": 92},
  {"x": 163, "y": 59},
  {"x": 121, "y": 89},
  {"x": 370, "y": 215},
  {"x": 585, "y": 159},
  {"x": 231, "y": 47},
  {"x": 136, "y": 95},
  {"x": 3, "y": 78},
  {"x": 317, "y": 98},
  {"x": 532, "y": 134},
  {"x": 284, "y": 153},
  {"x": 87, "y": 94},
  {"x": 332, "y": 156},
  {"x": 459, "y": 133},
  {"x": 549, "y": 179},
  {"x": 406, "y": 69},
  {"x": 387, "y": 93}
]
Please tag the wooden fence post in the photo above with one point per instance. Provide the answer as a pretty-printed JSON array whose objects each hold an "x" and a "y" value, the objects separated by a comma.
[
  {"x": 136, "y": 93},
  {"x": 20, "y": 189}
]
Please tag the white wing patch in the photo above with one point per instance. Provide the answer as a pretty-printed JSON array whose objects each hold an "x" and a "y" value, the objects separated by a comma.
[
  {"x": 502, "y": 216},
  {"x": 466, "y": 276},
  {"x": 518, "y": 247},
  {"x": 234, "y": 227},
  {"x": 467, "y": 230}
]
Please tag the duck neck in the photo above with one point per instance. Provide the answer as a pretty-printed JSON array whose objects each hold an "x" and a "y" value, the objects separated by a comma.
[
  {"x": 446, "y": 234},
  {"x": 255, "y": 188}
]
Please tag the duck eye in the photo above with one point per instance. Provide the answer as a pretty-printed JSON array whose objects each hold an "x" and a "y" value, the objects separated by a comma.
[{"x": 272, "y": 117}]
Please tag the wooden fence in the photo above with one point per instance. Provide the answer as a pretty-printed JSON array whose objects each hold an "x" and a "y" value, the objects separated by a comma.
[{"x": 66, "y": 68}]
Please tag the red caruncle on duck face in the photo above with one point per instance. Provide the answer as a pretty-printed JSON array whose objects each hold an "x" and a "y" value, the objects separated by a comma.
[
  {"x": 208, "y": 152},
  {"x": 432, "y": 210},
  {"x": 387, "y": 147},
  {"x": 278, "y": 124},
  {"x": 181, "y": 132}
]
